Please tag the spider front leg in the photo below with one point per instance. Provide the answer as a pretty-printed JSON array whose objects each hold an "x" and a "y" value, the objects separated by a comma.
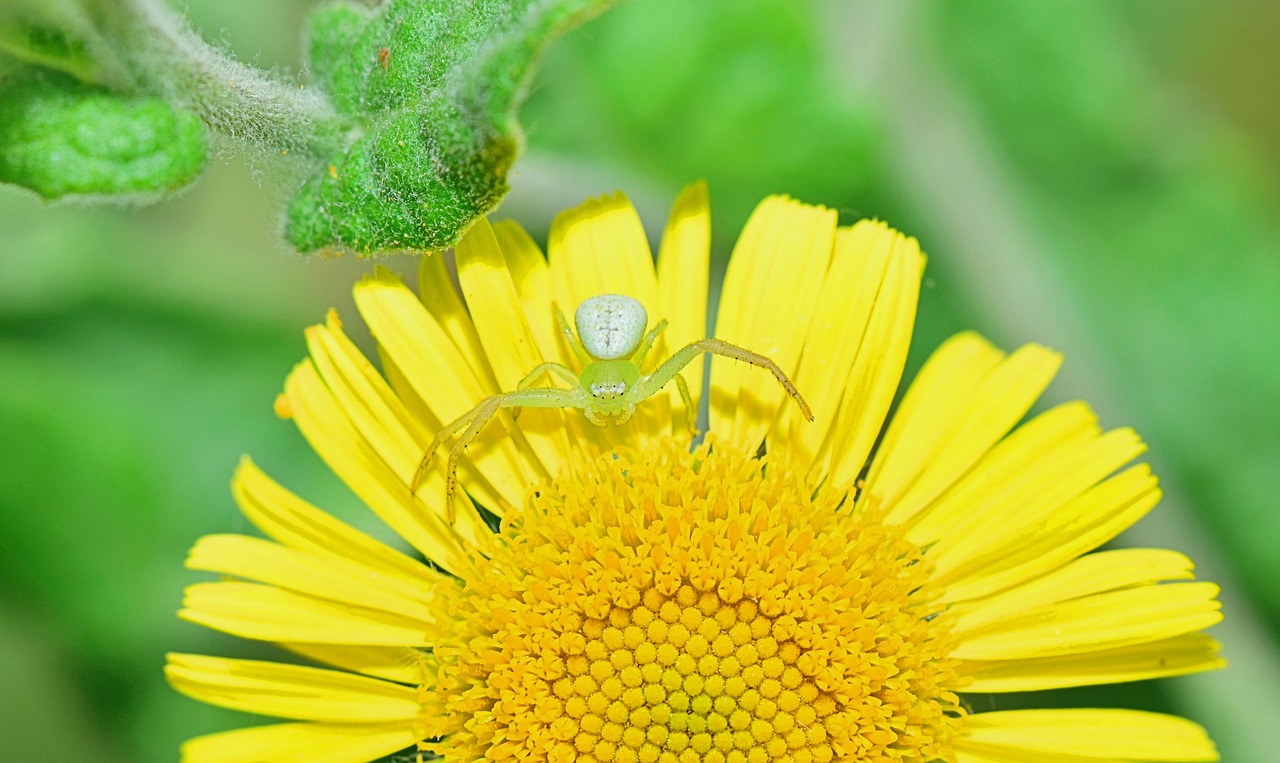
[
  {"x": 646, "y": 344},
  {"x": 556, "y": 369},
  {"x": 655, "y": 381},
  {"x": 442, "y": 436},
  {"x": 471, "y": 422},
  {"x": 565, "y": 373},
  {"x": 690, "y": 413},
  {"x": 571, "y": 338}
]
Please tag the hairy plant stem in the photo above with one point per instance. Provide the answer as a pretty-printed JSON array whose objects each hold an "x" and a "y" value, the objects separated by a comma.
[{"x": 169, "y": 59}]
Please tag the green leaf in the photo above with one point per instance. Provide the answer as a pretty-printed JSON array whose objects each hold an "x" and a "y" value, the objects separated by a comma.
[
  {"x": 59, "y": 34},
  {"x": 432, "y": 91},
  {"x": 61, "y": 138}
]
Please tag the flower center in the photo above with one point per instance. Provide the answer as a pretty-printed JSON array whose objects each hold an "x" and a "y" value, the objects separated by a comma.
[{"x": 670, "y": 606}]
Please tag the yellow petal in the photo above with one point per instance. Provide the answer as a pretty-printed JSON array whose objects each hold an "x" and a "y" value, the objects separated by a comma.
[
  {"x": 409, "y": 397},
  {"x": 1094, "y": 734},
  {"x": 960, "y": 531},
  {"x": 419, "y": 346},
  {"x": 385, "y": 491},
  {"x": 767, "y": 304},
  {"x": 599, "y": 247},
  {"x": 532, "y": 279},
  {"x": 683, "y": 272},
  {"x": 444, "y": 381},
  {"x": 310, "y": 742},
  {"x": 294, "y": 522},
  {"x": 1095, "y": 573},
  {"x": 1039, "y": 442},
  {"x": 438, "y": 294},
  {"x": 382, "y": 421},
  {"x": 291, "y": 691},
  {"x": 948, "y": 379},
  {"x": 399, "y": 664},
  {"x": 1189, "y": 653},
  {"x": 844, "y": 306},
  {"x": 267, "y": 613},
  {"x": 860, "y": 347},
  {"x": 324, "y": 577},
  {"x": 508, "y": 341},
  {"x": 1103, "y": 621},
  {"x": 873, "y": 381},
  {"x": 962, "y": 404},
  {"x": 371, "y": 404},
  {"x": 763, "y": 229},
  {"x": 1081, "y": 525},
  {"x": 984, "y": 753}
]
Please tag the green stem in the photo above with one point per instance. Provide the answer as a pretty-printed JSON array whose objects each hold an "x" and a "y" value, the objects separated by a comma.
[{"x": 171, "y": 60}]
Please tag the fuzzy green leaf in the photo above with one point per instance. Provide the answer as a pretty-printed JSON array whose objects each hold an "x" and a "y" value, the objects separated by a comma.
[
  {"x": 431, "y": 90},
  {"x": 61, "y": 138}
]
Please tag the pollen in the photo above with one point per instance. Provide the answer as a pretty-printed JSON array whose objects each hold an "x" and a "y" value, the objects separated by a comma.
[{"x": 673, "y": 607}]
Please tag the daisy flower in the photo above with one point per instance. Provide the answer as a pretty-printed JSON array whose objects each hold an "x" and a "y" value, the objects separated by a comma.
[{"x": 783, "y": 590}]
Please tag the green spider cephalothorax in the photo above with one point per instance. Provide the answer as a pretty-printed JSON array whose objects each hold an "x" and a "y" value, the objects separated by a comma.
[{"x": 611, "y": 344}]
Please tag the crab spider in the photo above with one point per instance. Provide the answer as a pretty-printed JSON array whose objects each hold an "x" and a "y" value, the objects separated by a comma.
[{"x": 611, "y": 344}]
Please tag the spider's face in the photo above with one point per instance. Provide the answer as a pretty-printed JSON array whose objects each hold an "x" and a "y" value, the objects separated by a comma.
[
  {"x": 608, "y": 390},
  {"x": 610, "y": 383}
]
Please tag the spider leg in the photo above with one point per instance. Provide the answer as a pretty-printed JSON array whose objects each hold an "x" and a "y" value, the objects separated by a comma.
[
  {"x": 485, "y": 411},
  {"x": 655, "y": 381},
  {"x": 646, "y": 344},
  {"x": 556, "y": 369},
  {"x": 690, "y": 411},
  {"x": 441, "y": 438},
  {"x": 474, "y": 420},
  {"x": 571, "y": 338},
  {"x": 564, "y": 372}
]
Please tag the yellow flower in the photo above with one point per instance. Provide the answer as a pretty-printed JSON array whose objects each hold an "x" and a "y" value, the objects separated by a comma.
[{"x": 616, "y": 594}]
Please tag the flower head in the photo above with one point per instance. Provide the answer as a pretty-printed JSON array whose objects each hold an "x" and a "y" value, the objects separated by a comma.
[{"x": 784, "y": 590}]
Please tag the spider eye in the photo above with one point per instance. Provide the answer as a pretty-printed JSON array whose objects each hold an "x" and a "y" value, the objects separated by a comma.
[{"x": 611, "y": 326}]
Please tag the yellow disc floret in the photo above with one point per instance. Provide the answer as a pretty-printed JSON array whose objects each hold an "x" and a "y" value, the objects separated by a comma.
[{"x": 674, "y": 607}]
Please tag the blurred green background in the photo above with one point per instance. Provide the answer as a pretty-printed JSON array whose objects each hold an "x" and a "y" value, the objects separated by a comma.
[{"x": 1097, "y": 176}]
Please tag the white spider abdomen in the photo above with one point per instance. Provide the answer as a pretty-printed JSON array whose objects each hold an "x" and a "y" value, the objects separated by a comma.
[{"x": 611, "y": 326}]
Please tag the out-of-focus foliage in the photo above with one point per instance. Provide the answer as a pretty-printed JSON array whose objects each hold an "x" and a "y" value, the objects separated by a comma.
[
  {"x": 140, "y": 350},
  {"x": 63, "y": 36},
  {"x": 738, "y": 93}
]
